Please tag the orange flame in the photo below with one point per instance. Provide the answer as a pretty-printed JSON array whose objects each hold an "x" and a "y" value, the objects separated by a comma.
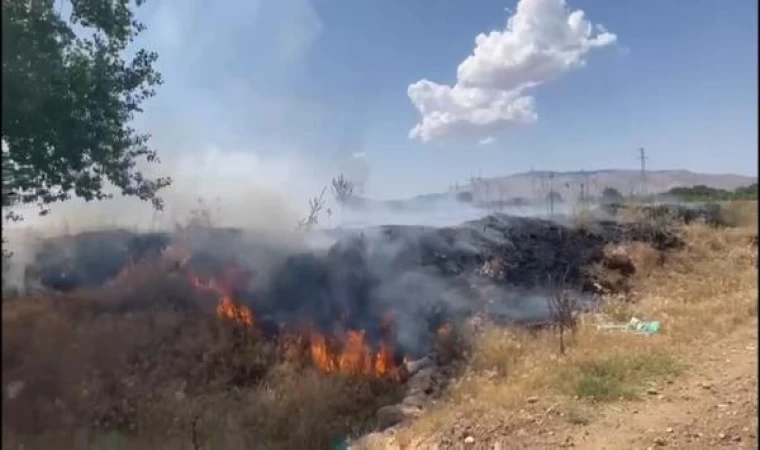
[
  {"x": 321, "y": 355},
  {"x": 226, "y": 308},
  {"x": 354, "y": 357},
  {"x": 384, "y": 361}
]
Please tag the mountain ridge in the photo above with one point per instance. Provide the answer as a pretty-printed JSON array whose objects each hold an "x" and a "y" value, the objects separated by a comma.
[{"x": 568, "y": 183}]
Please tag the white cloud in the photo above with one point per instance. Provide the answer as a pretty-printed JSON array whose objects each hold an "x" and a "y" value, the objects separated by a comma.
[
  {"x": 487, "y": 140},
  {"x": 542, "y": 40}
]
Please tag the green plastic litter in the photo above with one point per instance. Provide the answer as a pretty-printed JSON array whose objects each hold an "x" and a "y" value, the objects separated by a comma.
[
  {"x": 635, "y": 325},
  {"x": 647, "y": 327}
]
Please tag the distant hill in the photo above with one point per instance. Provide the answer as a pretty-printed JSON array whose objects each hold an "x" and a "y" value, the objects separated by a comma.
[{"x": 568, "y": 184}]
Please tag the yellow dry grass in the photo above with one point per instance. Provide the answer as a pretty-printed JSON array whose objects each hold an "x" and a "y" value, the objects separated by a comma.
[{"x": 698, "y": 293}]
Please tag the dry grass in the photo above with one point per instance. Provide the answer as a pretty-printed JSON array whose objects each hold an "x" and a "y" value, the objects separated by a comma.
[
  {"x": 127, "y": 368},
  {"x": 740, "y": 213},
  {"x": 147, "y": 365},
  {"x": 699, "y": 293}
]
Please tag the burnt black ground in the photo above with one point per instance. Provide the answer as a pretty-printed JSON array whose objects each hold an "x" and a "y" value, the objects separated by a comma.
[{"x": 501, "y": 265}]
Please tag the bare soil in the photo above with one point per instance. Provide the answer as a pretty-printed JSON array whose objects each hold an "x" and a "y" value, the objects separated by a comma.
[{"x": 713, "y": 405}]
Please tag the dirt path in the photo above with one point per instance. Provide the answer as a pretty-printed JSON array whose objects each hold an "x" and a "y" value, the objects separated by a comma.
[{"x": 713, "y": 406}]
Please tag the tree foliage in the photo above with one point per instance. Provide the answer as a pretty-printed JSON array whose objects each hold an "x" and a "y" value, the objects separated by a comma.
[
  {"x": 316, "y": 204},
  {"x": 700, "y": 193},
  {"x": 342, "y": 188},
  {"x": 554, "y": 197},
  {"x": 611, "y": 195},
  {"x": 68, "y": 100}
]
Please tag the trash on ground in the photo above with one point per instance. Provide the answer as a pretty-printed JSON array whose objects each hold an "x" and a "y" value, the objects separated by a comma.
[{"x": 646, "y": 327}]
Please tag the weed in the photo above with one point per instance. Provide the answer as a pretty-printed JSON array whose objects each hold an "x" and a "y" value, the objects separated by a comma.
[{"x": 620, "y": 376}]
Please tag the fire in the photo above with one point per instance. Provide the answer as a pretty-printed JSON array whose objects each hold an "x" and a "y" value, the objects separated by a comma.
[
  {"x": 352, "y": 355},
  {"x": 321, "y": 355},
  {"x": 354, "y": 358},
  {"x": 384, "y": 360},
  {"x": 226, "y": 308}
]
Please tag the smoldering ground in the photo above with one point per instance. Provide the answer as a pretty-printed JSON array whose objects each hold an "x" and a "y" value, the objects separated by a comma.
[{"x": 355, "y": 278}]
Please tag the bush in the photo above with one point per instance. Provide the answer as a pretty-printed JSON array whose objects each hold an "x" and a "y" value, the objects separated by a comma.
[
  {"x": 611, "y": 196},
  {"x": 702, "y": 193}
]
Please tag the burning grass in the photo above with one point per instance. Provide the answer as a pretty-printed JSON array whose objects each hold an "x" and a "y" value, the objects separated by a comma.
[
  {"x": 173, "y": 359},
  {"x": 155, "y": 361}
]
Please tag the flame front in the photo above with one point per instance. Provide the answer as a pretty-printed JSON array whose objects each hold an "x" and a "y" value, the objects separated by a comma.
[
  {"x": 226, "y": 308},
  {"x": 320, "y": 353},
  {"x": 354, "y": 357},
  {"x": 384, "y": 360}
]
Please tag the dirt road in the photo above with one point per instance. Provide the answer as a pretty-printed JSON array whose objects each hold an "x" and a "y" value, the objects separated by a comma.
[{"x": 713, "y": 406}]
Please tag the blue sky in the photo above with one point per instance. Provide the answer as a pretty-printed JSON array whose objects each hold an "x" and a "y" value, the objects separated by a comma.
[{"x": 315, "y": 81}]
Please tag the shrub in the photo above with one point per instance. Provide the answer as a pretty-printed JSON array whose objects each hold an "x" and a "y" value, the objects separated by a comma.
[{"x": 618, "y": 376}]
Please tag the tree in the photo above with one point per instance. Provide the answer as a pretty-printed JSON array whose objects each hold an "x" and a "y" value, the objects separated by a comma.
[
  {"x": 562, "y": 307},
  {"x": 316, "y": 204},
  {"x": 611, "y": 195},
  {"x": 68, "y": 101},
  {"x": 702, "y": 193},
  {"x": 342, "y": 188},
  {"x": 464, "y": 197},
  {"x": 554, "y": 197},
  {"x": 746, "y": 192}
]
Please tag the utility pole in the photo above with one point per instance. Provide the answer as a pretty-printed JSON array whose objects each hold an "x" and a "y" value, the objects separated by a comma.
[
  {"x": 592, "y": 182},
  {"x": 643, "y": 159},
  {"x": 584, "y": 185},
  {"x": 542, "y": 179},
  {"x": 551, "y": 194}
]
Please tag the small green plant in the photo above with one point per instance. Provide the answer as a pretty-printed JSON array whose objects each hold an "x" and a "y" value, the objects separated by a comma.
[
  {"x": 621, "y": 376},
  {"x": 602, "y": 382}
]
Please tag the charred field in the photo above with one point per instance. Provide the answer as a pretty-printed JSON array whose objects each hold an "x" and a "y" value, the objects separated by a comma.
[{"x": 207, "y": 338}]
